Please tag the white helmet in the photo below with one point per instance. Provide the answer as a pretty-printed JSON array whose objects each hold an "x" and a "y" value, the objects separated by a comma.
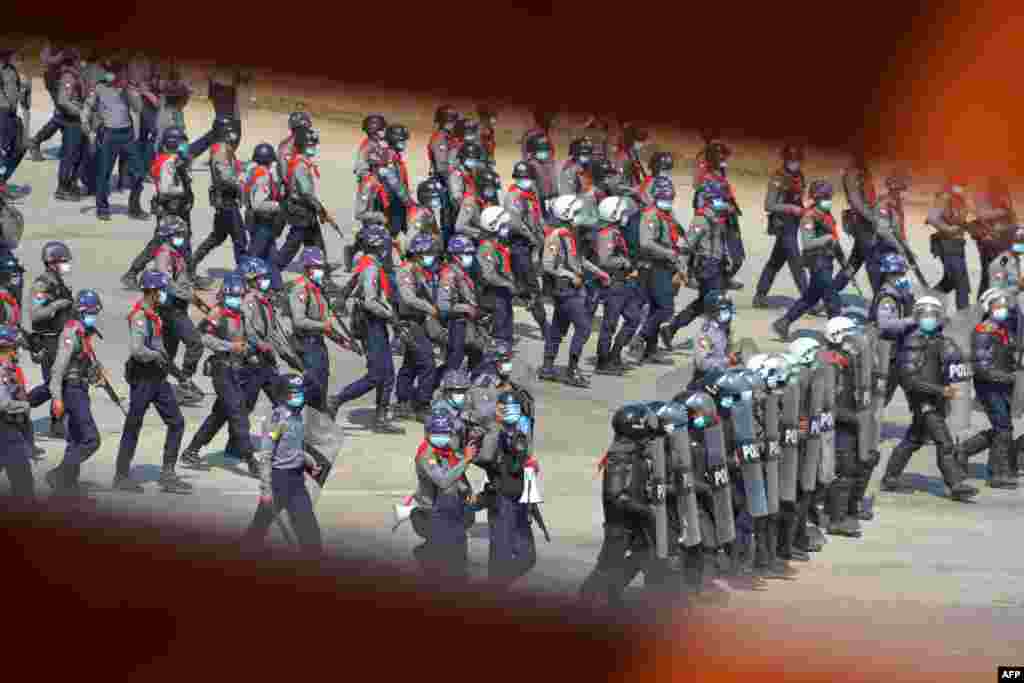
[
  {"x": 492, "y": 218},
  {"x": 566, "y": 207},
  {"x": 837, "y": 328},
  {"x": 757, "y": 361},
  {"x": 612, "y": 209},
  {"x": 928, "y": 302},
  {"x": 776, "y": 368},
  {"x": 805, "y": 349},
  {"x": 992, "y": 295}
]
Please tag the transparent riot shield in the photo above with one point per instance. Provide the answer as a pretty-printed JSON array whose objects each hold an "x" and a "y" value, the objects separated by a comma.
[
  {"x": 686, "y": 496},
  {"x": 772, "y": 453},
  {"x": 810, "y": 459},
  {"x": 721, "y": 489},
  {"x": 958, "y": 371},
  {"x": 656, "y": 495},
  {"x": 748, "y": 453}
]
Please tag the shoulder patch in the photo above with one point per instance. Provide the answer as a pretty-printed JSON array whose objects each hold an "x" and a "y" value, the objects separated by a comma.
[{"x": 704, "y": 343}]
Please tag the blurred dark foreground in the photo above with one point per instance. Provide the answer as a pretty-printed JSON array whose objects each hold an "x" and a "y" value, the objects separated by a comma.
[{"x": 125, "y": 597}]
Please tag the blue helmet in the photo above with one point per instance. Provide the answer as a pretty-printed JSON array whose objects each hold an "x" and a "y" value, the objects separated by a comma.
[
  {"x": 663, "y": 188},
  {"x": 892, "y": 263},
  {"x": 422, "y": 243},
  {"x": 293, "y": 383},
  {"x": 312, "y": 257},
  {"x": 9, "y": 336},
  {"x": 154, "y": 279},
  {"x": 253, "y": 268},
  {"x": 375, "y": 238},
  {"x": 440, "y": 423},
  {"x": 169, "y": 227},
  {"x": 459, "y": 244},
  {"x": 716, "y": 300},
  {"x": 9, "y": 265},
  {"x": 233, "y": 285},
  {"x": 54, "y": 252},
  {"x": 88, "y": 302}
]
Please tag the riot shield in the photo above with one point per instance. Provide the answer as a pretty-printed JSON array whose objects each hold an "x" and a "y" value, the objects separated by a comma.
[
  {"x": 789, "y": 432},
  {"x": 656, "y": 495},
  {"x": 862, "y": 371},
  {"x": 883, "y": 375},
  {"x": 827, "y": 463},
  {"x": 686, "y": 497},
  {"x": 670, "y": 384},
  {"x": 718, "y": 479},
  {"x": 772, "y": 452},
  {"x": 1017, "y": 407},
  {"x": 958, "y": 370},
  {"x": 748, "y": 454},
  {"x": 12, "y": 225},
  {"x": 814, "y": 389}
]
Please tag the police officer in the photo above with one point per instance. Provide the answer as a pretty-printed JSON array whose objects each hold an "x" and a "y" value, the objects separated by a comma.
[
  {"x": 70, "y": 97},
  {"x": 481, "y": 194},
  {"x": 454, "y": 390},
  {"x": 310, "y": 321},
  {"x": 462, "y": 168},
  {"x": 847, "y": 470},
  {"x": 15, "y": 425},
  {"x": 303, "y": 208},
  {"x": 892, "y": 310},
  {"x": 13, "y": 136},
  {"x": 263, "y": 193},
  {"x": 627, "y": 155},
  {"x": 784, "y": 204},
  {"x": 52, "y": 307},
  {"x": 819, "y": 241},
  {"x": 119, "y": 105},
  {"x": 417, "y": 285},
  {"x": 174, "y": 93},
  {"x": 994, "y": 344},
  {"x": 445, "y": 117},
  {"x": 563, "y": 269},
  {"x": 497, "y": 278},
  {"x": 10, "y": 290},
  {"x": 1005, "y": 270},
  {"x": 623, "y": 297},
  {"x": 713, "y": 346},
  {"x": 625, "y": 516},
  {"x": 488, "y": 120},
  {"x": 282, "y": 480},
  {"x": 173, "y": 198},
  {"x": 426, "y": 215},
  {"x": 225, "y": 334},
  {"x": 457, "y": 300},
  {"x": 541, "y": 158},
  {"x": 505, "y": 455},
  {"x": 146, "y": 374},
  {"x": 523, "y": 204},
  {"x": 716, "y": 156},
  {"x": 370, "y": 321},
  {"x": 375, "y": 127},
  {"x": 53, "y": 58},
  {"x": 706, "y": 238},
  {"x": 923, "y": 382},
  {"x": 467, "y": 131},
  {"x": 178, "y": 326},
  {"x": 225, "y": 195},
  {"x": 858, "y": 220},
  {"x": 949, "y": 218},
  {"x": 444, "y": 490},
  {"x": 296, "y": 120},
  {"x": 994, "y": 228},
  {"x": 574, "y": 176},
  {"x": 75, "y": 369}
]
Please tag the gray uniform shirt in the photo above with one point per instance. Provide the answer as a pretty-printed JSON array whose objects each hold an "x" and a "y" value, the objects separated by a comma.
[
  {"x": 706, "y": 237},
  {"x": 371, "y": 294},
  {"x": 288, "y": 432},
  {"x": 70, "y": 345},
  {"x": 116, "y": 108},
  {"x": 142, "y": 330},
  {"x": 492, "y": 266},
  {"x": 408, "y": 277},
  {"x": 44, "y": 306},
  {"x": 307, "y": 317},
  {"x": 455, "y": 294},
  {"x": 562, "y": 258},
  {"x": 166, "y": 262},
  {"x": 264, "y": 186},
  {"x": 10, "y": 87},
  {"x": 468, "y": 222}
]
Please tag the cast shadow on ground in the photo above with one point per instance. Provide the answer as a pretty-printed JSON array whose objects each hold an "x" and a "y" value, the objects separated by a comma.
[
  {"x": 364, "y": 417},
  {"x": 527, "y": 331},
  {"x": 931, "y": 485},
  {"x": 145, "y": 474},
  {"x": 779, "y": 302}
]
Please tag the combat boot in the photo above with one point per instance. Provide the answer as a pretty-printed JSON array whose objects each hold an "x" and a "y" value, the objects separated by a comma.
[
  {"x": 190, "y": 458},
  {"x": 62, "y": 193},
  {"x": 962, "y": 492},
  {"x": 605, "y": 366},
  {"x": 840, "y": 523},
  {"x": 970, "y": 447},
  {"x": 892, "y": 480},
  {"x": 254, "y": 467},
  {"x": 382, "y": 423},
  {"x": 130, "y": 281},
  {"x": 403, "y": 410},
  {"x": 999, "y": 462},
  {"x": 781, "y": 328},
  {"x": 666, "y": 333},
  {"x": 170, "y": 482},
  {"x": 56, "y": 479},
  {"x": 573, "y": 376},
  {"x": 125, "y": 483},
  {"x": 331, "y": 407},
  {"x": 615, "y": 359},
  {"x": 34, "y": 153},
  {"x": 547, "y": 372},
  {"x": 760, "y": 301}
]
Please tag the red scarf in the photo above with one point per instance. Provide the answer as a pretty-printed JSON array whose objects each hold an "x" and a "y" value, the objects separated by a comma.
[
  {"x": 13, "y": 303},
  {"x": 505, "y": 255},
  {"x": 150, "y": 313},
  {"x": 447, "y": 268},
  {"x": 258, "y": 173},
  {"x": 565, "y": 233},
  {"x": 382, "y": 195},
  {"x": 158, "y": 164},
  {"x": 368, "y": 261},
  {"x": 312, "y": 287},
  {"x": 531, "y": 199},
  {"x": 442, "y": 453}
]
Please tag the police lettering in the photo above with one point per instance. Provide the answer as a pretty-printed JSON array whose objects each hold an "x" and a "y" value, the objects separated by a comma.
[
  {"x": 792, "y": 437},
  {"x": 774, "y": 450},
  {"x": 719, "y": 477},
  {"x": 750, "y": 452},
  {"x": 958, "y": 372}
]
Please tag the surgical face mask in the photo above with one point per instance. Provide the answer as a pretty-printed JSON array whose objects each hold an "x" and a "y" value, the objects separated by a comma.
[
  {"x": 457, "y": 400},
  {"x": 440, "y": 440},
  {"x": 543, "y": 156},
  {"x": 700, "y": 422},
  {"x": 727, "y": 402},
  {"x": 183, "y": 149},
  {"x": 178, "y": 242},
  {"x": 296, "y": 400},
  {"x": 64, "y": 268},
  {"x": 264, "y": 284},
  {"x": 511, "y": 415},
  {"x": 233, "y": 302},
  {"x": 793, "y": 166},
  {"x": 719, "y": 205},
  {"x": 928, "y": 324},
  {"x": 504, "y": 369},
  {"x": 825, "y": 204},
  {"x": 1001, "y": 314},
  {"x": 664, "y": 204},
  {"x": 524, "y": 183},
  {"x": 108, "y": 77},
  {"x": 724, "y": 316},
  {"x": 1018, "y": 248},
  {"x": 436, "y": 204},
  {"x": 583, "y": 160},
  {"x": 903, "y": 283},
  {"x": 90, "y": 320},
  {"x": 162, "y": 297},
  {"x": 466, "y": 260},
  {"x": 316, "y": 276},
  {"x": 428, "y": 261},
  {"x": 400, "y": 146},
  {"x": 313, "y": 152}
]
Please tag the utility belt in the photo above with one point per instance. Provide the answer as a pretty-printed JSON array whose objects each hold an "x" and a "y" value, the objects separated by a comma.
[
  {"x": 561, "y": 286},
  {"x": 946, "y": 246},
  {"x": 180, "y": 206},
  {"x": 298, "y": 212},
  {"x": 811, "y": 256},
  {"x": 225, "y": 197},
  {"x": 221, "y": 361},
  {"x": 15, "y": 419},
  {"x": 136, "y": 372}
]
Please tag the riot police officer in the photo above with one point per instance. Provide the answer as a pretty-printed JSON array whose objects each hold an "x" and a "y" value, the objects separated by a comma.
[
  {"x": 303, "y": 208},
  {"x": 713, "y": 170},
  {"x": 375, "y": 127},
  {"x": 994, "y": 348},
  {"x": 225, "y": 335},
  {"x": 296, "y": 120},
  {"x": 805, "y": 352},
  {"x": 574, "y": 176},
  {"x": 146, "y": 374},
  {"x": 714, "y": 344},
  {"x": 859, "y": 222},
  {"x": 457, "y": 301},
  {"x": 310, "y": 321},
  {"x": 75, "y": 368},
  {"x": 417, "y": 285},
  {"x": 398, "y": 186},
  {"x": 225, "y": 195},
  {"x": 623, "y": 297},
  {"x": 263, "y": 193},
  {"x": 426, "y": 215},
  {"x": 15, "y": 425},
  {"x": 784, "y": 204},
  {"x": 52, "y": 307},
  {"x": 625, "y": 515},
  {"x": 370, "y": 320},
  {"x": 819, "y": 241},
  {"x": 922, "y": 378}
]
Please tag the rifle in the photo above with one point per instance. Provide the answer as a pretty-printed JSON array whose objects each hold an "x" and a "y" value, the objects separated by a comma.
[
  {"x": 912, "y": 260},
  {"x": 841, "y": 257},
  {"x": 103, "y": 382},
  {"x": 329, "y": 219},
  {"x": 346, "y": 339},
  {"x": 536, "y": 516},
  {"x": 203, "y": 307}
]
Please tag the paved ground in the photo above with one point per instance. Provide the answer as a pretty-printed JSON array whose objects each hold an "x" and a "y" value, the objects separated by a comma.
[{"x": 958, "y": 563}]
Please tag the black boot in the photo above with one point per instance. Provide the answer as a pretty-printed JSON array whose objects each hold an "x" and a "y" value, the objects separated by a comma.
[
  {"x": 666, "y": 333},
  {"x": 190, "y": 458},
  {"x": 56, "y": 428},
  {"x": 999, "y": 462},
  {"x": 787, "y": 534},
  {"x": 135, "y": 206},
  {"x": 126, "y": 483},
  {"x": 170, "y": 482},
  {"x": 781, "y": 327},
  {"x": 573, "y": 376},
  {"x": 547, "y": 371},
  {"x": 382, "y": 423},
  {"x": 838, "y": 501},
  {"x": 898, "y": 460},
  {"x": 606, "y": 366}
]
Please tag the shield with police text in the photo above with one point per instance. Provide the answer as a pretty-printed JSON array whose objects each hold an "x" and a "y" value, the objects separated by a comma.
[
  {"x": 957, "y": 372},
  {"x": 772, "y": 453},
  {"x": 827, "y": 425},
  {"x": 810, "y": 459},
  {"x": 748, "y": 455},
  {"x": 789, "y": 433},
  {"x": 717, "y": 472},
  {"x": 686, "y": 495},
  {"x": 1017, "y": 408}
]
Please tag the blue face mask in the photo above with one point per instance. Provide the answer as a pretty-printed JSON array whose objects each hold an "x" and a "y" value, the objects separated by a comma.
[
  {"x": 511, "y": 415},
  {"x": 178, "y": 242},
  {"x": 316, "y": 276},
  {"x": 89, "y": 321},
  {"x": 428, "y": 261},
  {"x": 436, "y": 204},
  {"x": 457, "y": 400},
  {"x": 727, "y": 402},
  {"x": 505, "y": 369},
  {"x": 264, "y": 284},
  {"x": 296, "y": 400},
  {"x": 466, "y": 260},
  {"x": 233, "y": 302},
  {"x": 1018, "y": 249},
  {"x": 440, "y": 440},
  {"x": 724, "y": 316},
  {"x": 928, "y": 325},
  {"x": 163, "y": 297},
  {"x": 718, "y": 205},
  {"x": 542, "y": 156},
  {"x": 700, "y": 422},
  {"x": 825, "y": 204},
  {"x": 903, "y": 283},
  {"x": 1001, "y": 314}
]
